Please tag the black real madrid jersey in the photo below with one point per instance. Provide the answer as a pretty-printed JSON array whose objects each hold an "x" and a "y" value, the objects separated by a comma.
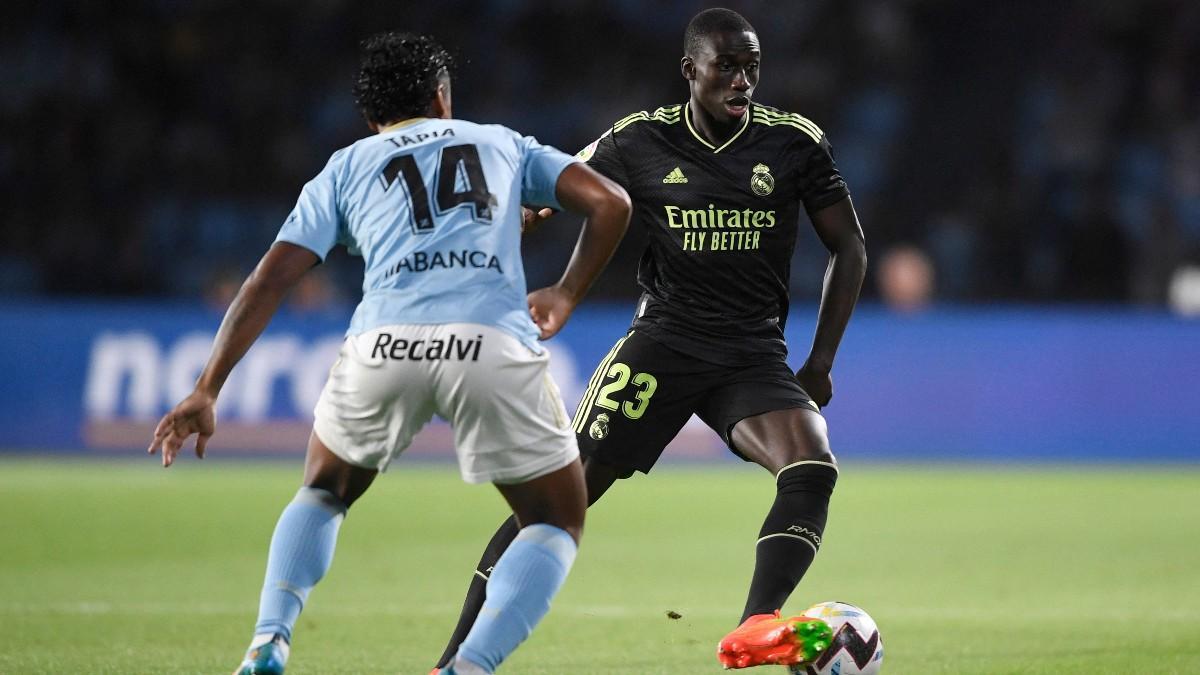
[{"x": 721, "y": 223}]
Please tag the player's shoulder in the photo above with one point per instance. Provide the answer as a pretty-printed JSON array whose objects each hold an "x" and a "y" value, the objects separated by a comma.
[
  {"x": 784, "y": 122},
  {"x": 491, "y": 129},
  {"x": 495, "y": 133},
  {"x": 629, "y": 128},
  {"x": 341, "y": 155},
  {"x": 505, "y": 139},
  {"x": 662, "y": 116}
]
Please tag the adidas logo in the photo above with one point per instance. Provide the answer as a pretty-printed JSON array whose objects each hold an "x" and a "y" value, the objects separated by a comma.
[{"x": 675, "y": 177}]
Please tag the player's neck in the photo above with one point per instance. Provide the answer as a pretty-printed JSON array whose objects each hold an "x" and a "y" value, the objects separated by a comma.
[
  {"x": 392, "y": 126},
  {"x": 709, "y": 128}
]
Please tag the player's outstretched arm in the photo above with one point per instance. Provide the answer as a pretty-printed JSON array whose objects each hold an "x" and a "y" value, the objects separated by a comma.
[
  {"x": 838, "y": 227},
  {"x": 606, "y": 208},
  {"x": 248, "y": 315}
]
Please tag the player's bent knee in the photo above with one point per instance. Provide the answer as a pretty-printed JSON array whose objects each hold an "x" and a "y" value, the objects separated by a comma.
[
  {"x": 576, "y": 531},
  {"x": 813, "y": 442},
  {"x": 557, "y": 499},
  {"x": 803, "y": 453},
  {"x": 324, "y": 470},
  {"x": 571, "y": 523},
  {"x": 810, "y": 448},
  {"x": 566, "y": 515},
  {"x": 322, "y": 499},
  {"x": 823, "y": 455}
]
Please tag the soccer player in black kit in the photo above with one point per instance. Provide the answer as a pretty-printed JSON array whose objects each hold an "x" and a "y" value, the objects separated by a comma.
[{"x": 718, "y": 183}]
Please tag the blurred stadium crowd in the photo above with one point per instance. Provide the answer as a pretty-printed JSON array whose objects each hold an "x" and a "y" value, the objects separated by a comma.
[{"x": 1020, "y": 150}]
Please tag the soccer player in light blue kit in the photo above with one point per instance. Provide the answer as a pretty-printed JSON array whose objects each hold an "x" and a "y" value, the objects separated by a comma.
[{"x": 445, "y": 327}]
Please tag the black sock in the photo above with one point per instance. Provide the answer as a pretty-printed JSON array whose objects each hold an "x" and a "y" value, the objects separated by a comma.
[
  {"x": 790, "y": 535},
  {"x": 477, "y": 592}
]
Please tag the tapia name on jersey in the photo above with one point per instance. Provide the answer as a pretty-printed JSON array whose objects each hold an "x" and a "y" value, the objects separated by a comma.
[{"x": 404, "y": 140}]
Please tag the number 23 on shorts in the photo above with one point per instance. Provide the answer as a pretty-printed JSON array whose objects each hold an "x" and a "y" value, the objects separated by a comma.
[{"x": 621, "y": 377}]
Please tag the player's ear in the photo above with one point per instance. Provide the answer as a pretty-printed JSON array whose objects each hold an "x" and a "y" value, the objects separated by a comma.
[
  {"x": 688, "y": 67},
  {"x": 439, "y": 107}
]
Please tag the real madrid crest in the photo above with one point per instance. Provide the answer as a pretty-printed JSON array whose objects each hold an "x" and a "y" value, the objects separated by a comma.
[
  {"x": 761, "y": 181},
  {"x": 599, "y": 428}
]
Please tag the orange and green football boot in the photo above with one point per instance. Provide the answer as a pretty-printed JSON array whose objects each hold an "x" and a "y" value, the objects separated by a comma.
[{"x": 767, "y": 639}]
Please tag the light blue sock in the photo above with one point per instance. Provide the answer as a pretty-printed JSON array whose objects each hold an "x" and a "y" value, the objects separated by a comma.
[
  {"x": 301, "y": 551},
  {"x": 519, "y": 591}
]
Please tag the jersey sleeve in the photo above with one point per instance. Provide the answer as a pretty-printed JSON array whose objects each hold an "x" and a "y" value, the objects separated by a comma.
[
  {"x": 316, "y": 222},
  {"x": 820, "y": 182},
  {"x": 604, "y": 156},
  {"x": 541, "y": 167}
]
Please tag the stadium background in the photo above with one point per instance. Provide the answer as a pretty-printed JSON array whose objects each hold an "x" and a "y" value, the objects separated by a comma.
[{"x": 1027, "y": 174}]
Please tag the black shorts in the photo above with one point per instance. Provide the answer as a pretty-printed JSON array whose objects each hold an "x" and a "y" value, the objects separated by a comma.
[{"x": 643, "y": 392}]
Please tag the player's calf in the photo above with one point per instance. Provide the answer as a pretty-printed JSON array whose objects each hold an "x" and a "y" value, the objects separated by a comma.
[
  {"x": 791, "y": 533},
  {"x": 527, "y": 577},
  {"x": 519, "y": 592},
  {"x": 300, "y": 554}
]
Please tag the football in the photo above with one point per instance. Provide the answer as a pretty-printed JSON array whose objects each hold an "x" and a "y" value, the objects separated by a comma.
[{"x": 857, "y": 648}]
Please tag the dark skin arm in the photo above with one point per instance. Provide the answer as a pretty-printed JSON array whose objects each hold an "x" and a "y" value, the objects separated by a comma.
[
  {"x": 606, "y": 207},
  {"x": 248, "y": 315},
  {"x": 837, "y": 226}
]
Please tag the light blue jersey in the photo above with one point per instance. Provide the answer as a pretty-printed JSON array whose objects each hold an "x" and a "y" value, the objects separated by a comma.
[{"x": 434, "y": 208}]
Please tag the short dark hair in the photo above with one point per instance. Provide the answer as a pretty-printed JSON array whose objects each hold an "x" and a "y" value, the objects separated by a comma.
[
  {"x": 398, "y": 76},
  {"x": 715, "y": 20}
]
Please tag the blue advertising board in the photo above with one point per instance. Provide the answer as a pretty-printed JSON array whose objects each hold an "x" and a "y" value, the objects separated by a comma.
[{"x": 1019, "y": 384}]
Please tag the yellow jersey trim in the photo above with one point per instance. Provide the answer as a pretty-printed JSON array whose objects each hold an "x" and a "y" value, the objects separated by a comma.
[
  {"x": 666, "y": 114},
  {"x": 773, "y": 118},
  {"x": 687, "y": 117}
]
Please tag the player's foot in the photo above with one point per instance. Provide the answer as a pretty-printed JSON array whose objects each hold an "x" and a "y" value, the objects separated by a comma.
[
  {"x": 765, "y": 639},
  {"x": 456, "y": 668},
  {"x": 267, "y": 658}
]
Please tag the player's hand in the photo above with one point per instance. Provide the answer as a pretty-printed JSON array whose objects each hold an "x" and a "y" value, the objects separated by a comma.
[
  {"x": 194, "y": 415},
  {"x": 817, "y": 382},
  {"x": 530, "y": 219},
  {"x": 549, "y": 308}
]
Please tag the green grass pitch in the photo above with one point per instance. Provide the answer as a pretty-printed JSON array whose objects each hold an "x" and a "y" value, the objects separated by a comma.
[{"x": 121, "y": 567}]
